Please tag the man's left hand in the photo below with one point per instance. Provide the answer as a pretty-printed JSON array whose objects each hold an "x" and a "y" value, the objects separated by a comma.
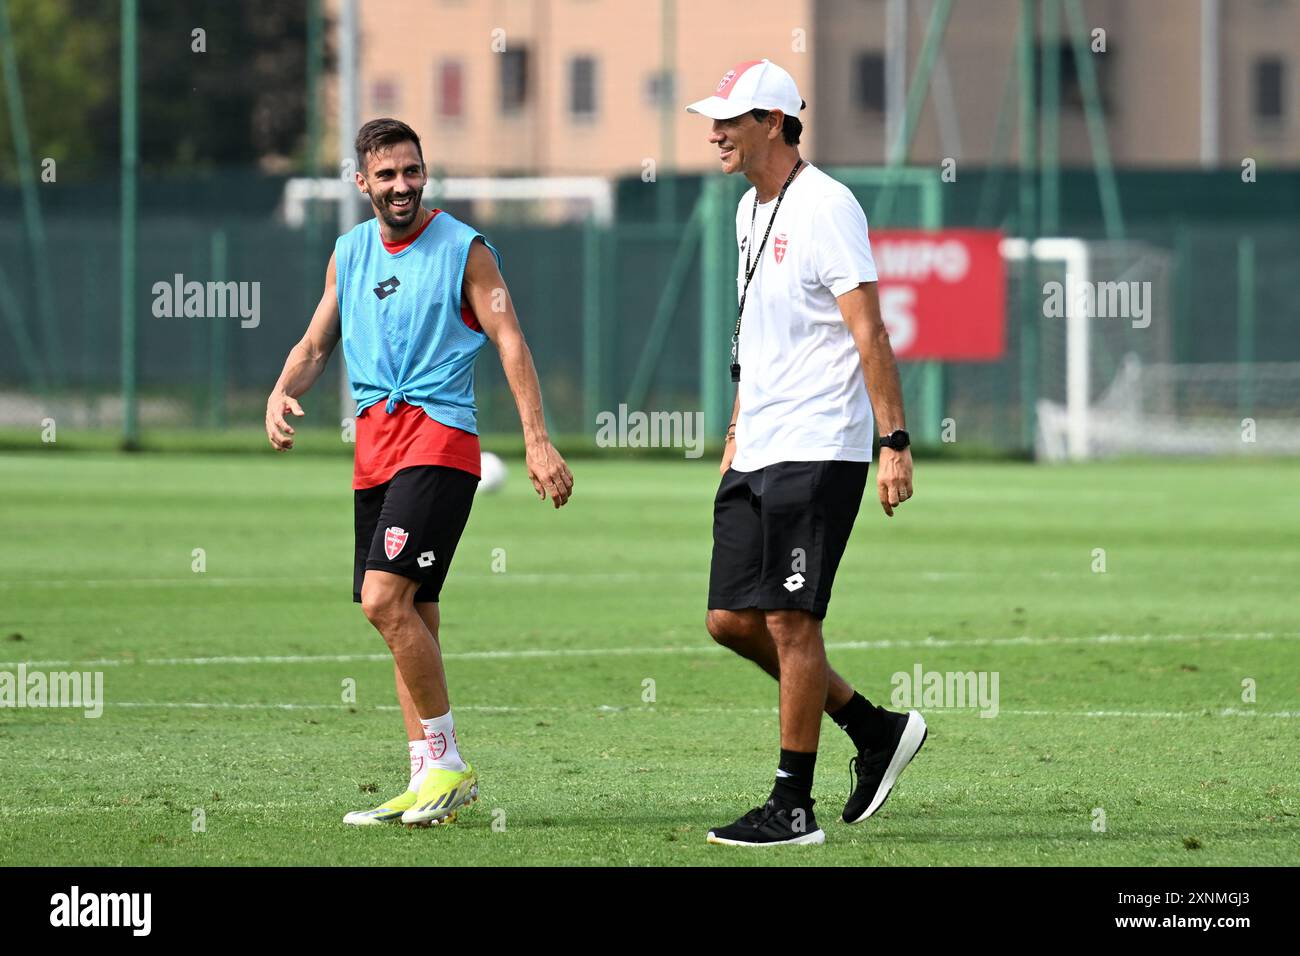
[
  {"x": 894, "y": 478},
  {"x": 548, "y": 473}
]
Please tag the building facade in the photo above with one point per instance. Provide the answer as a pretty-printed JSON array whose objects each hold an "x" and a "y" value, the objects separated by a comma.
[{"x": 597, "y": 87}]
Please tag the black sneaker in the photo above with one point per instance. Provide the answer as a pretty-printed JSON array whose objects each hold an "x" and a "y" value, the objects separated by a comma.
[
  {"x": 771, "y": 825},
  {"x": 877, "y": 770}
]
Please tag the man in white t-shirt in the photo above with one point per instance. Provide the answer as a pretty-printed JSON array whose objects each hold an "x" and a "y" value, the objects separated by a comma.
[{"x": 812, "y": 358}]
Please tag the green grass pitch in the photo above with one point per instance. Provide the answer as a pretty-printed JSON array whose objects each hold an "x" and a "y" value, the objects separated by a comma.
[{"x": 1120, "y": 691}]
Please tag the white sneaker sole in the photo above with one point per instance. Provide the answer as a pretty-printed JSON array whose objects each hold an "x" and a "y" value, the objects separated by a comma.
[
  {"x": 908, "y": 744},
  {"x": 366, "y": 818},
  {"x": 358, "y": 818},
  {"x": 807, "y": 839}
]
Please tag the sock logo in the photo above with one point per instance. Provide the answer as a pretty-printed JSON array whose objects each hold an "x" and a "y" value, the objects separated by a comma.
[
  {"x": 394, "y": 541},
  {"x": 437, "y": 745}
]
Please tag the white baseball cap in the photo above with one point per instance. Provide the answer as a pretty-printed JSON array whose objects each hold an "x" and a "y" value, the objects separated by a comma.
[{"x": 752, "y": 85}]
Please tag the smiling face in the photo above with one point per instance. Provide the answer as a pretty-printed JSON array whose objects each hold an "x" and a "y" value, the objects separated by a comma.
[
  {"x": 394, "y": 180},
  {"x": 742, "y": 141}
]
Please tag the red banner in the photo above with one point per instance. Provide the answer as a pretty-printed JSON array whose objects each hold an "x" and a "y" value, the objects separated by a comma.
[{"x": 942, "y": 294}]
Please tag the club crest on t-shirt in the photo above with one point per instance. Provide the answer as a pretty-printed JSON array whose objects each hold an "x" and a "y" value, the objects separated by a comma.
[{"x": 779, "y": 247}]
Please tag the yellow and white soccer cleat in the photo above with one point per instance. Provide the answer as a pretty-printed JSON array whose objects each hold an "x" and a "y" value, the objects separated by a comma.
[
  {"x": 442, "y": 795},
  {"x": 388, "y": 812}
]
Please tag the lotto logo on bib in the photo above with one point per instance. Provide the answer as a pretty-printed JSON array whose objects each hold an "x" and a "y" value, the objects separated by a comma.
[
  {"x": 394, "y": 542},
  {"x": 778, "y": 248}
]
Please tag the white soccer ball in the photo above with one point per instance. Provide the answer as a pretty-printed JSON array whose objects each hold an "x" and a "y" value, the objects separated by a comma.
[{"x": 494, "y": 473}]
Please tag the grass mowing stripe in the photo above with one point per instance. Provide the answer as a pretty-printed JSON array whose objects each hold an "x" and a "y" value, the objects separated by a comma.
[{"x": 928, "y": 642}]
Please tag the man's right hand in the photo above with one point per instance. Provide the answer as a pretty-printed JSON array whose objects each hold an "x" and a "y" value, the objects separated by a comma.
[
  {"x": 278, "y": 430},
  {"x": 728, "y": 453}
]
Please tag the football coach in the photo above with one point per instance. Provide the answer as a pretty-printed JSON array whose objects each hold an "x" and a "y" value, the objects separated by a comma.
[{"x": 812, "y": 359}]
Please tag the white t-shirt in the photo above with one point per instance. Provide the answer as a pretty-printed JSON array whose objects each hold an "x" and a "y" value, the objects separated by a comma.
[{"x": 802, "y": 394}]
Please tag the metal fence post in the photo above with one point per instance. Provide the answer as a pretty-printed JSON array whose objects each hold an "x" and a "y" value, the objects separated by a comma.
[
  {"x": 591, "y": 338},
  {"x": 129, "y": 158},
  {"x": 1246, "y": 322},
  {"x": 217, "y": 339}
]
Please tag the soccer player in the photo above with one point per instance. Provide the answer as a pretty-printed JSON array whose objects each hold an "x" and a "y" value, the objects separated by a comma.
[
  {"x": 812, "y": 359},
  {"x": 414, "y": 294}
]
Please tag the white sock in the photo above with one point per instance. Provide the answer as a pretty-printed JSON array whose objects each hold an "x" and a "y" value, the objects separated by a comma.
[
  {"x": 419, "y": 763},
  {"x": 440, "y": 732}
]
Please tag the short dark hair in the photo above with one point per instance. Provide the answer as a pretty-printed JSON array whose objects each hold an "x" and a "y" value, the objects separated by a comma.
[
  {"x": 791, "y": 127},
  {"x": 380, "y": 134}
]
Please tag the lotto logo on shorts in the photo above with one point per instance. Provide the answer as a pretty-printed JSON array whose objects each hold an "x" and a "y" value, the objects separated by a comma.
[
  {"x": 394, "y": 542},
  {"x": 794, "y": 582},
  {"x": 425, "y": 559}
]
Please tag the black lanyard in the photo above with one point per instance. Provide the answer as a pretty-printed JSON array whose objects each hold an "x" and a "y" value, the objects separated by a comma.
[{"x": 750, "y": 270}]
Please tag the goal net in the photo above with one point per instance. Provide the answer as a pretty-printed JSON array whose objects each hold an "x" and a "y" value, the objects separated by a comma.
[
  {"x": 1111, "y": 384},
  {"x": 1166, "y": 408}
]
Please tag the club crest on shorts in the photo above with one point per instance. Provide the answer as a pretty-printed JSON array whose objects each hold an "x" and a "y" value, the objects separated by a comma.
[
  {"x": 778, "y": 248},
  {"x": 437, "y": 745},
  {"x": 394, "y": 541}
]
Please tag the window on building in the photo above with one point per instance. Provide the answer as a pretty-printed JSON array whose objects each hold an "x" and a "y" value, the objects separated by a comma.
[
  {"x": 451, "y": 90},
  {"x": 383, "y": 97},
  {"x": 582, "y": 86},
  {"x": 1071, "y": 83},
  {"x": 514, "y": 79},
  {"x": 869, "y": 82},
  {"x": 659, "y": 89},
  {"x": 1269, "y": 76}
]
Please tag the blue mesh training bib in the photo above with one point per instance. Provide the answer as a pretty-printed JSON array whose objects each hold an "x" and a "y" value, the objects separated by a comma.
[{"x": 400, "y": 313}]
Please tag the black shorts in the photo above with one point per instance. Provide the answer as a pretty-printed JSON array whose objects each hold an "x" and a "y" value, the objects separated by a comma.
[
  {"x": 410, "y": 525},
  {"x": 779, "y": 533}
]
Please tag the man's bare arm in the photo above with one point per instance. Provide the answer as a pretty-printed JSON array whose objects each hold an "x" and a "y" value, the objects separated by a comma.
[
  {"x": 486, "y": 293},
  {"x": 729, "y": 444},
  {"x": 860, "y": 309},
  {"x": 304, "y": 365}
]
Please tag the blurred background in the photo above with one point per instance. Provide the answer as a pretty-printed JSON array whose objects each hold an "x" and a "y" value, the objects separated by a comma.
[{"x": 997, "y": 146}]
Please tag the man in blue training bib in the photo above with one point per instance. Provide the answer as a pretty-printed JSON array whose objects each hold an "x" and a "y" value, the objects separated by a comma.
[{"x": 414, "y": 294}]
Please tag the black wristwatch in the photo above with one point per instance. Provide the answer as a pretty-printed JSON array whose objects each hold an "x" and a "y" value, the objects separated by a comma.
[{"x": 897, "y": 440}]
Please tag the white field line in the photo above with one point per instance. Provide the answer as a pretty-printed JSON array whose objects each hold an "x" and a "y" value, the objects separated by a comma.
[
  {"x": 702, "y": 648},
  {"x": 606, "y": 709}
]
